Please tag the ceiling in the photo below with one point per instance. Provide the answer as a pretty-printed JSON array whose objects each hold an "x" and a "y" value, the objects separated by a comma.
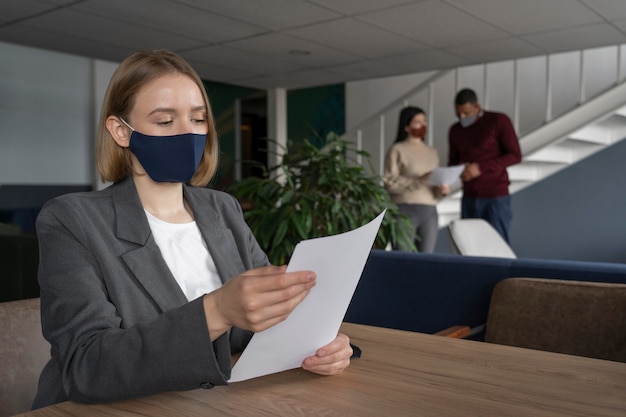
[{"x": 303, "y": 43}]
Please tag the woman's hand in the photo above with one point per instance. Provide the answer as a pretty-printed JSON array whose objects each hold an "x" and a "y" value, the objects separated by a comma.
[
  {"x": 257, "y": 299},
  {"x": 331, "y": 359}
]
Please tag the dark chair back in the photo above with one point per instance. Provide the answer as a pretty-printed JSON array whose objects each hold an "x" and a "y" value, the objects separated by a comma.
[{"x": 573, "y": 317}]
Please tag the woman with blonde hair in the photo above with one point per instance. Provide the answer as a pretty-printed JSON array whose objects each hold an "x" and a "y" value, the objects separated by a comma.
[{"x": 152, "y": 283}]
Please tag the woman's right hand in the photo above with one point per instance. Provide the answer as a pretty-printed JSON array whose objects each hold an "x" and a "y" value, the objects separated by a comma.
[{"x": 257, "y": 299}]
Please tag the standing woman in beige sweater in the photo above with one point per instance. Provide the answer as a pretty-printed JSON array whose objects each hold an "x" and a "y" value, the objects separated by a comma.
[{"x": 408, "y": 165}]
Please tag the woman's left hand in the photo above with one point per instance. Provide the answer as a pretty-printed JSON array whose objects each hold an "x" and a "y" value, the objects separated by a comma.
[{"x": 331, "y": 359}]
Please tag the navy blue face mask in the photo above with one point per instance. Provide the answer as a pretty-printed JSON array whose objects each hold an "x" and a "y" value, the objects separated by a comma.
[{"x": 168, "y": 158}]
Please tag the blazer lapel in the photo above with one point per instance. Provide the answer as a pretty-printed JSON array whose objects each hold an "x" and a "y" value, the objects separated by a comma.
[
  {"x": 218, "y": 238},
  {"x": 145, "y": 261}
]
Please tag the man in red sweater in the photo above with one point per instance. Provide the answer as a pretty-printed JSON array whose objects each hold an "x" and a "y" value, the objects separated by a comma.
[{"x": 487, "y": 144}]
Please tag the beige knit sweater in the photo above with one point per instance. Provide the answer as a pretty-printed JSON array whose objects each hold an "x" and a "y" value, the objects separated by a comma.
[{"x": 405, "y": 163}]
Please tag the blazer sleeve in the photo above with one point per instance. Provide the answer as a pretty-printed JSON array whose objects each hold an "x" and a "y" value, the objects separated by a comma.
[{"x": 98, "y": 356}]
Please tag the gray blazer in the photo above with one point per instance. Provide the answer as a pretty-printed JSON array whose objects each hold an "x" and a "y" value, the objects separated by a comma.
[{"x": 118, "y": 323}]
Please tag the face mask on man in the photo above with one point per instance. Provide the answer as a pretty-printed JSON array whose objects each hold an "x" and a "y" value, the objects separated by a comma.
[
  {"x": 468, "y": 121},
  {"x": 168, "y": 158}
]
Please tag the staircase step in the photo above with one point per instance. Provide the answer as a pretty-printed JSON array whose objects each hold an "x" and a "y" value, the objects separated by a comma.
[
  {"x": 516, "y": 186},
  {"x": 551, "y": 154},
  {"x": 445, "y": 219},
  {"x": 533, "y": 170},
  {"x": 621, "y": 111},
  {"x": 596, "y": 133},
  {"x": 581, "y": 149},
  {"x": 449, "y": 205}
]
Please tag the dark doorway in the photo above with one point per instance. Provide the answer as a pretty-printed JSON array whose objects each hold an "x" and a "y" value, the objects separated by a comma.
[{"x": 253, "y": 130}]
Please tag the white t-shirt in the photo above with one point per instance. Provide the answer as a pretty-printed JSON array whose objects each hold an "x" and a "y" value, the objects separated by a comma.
[{"x": 187, "y": 256}]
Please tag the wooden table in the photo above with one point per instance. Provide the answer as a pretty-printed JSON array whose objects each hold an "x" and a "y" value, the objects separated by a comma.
[{"x": 403, "y": 374}]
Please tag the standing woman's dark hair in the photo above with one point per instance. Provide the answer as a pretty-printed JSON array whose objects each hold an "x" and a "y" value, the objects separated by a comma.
[{"x": 406, "y": 115}]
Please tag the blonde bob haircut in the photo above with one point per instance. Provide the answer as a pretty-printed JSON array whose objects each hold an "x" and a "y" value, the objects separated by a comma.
[{"x": 113, "y": 161}]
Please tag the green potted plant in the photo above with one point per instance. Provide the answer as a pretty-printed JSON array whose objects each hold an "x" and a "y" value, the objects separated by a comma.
[{"x": 315, "y": 192}]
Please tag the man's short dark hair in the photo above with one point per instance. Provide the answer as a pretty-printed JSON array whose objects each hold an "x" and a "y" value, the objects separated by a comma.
[{"x": 464, "y": 96}]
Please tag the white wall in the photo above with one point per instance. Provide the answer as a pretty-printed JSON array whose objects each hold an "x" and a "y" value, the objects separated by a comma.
[
  {"x": 373, "y": 95},
  {"x": 47, "y": 124}
]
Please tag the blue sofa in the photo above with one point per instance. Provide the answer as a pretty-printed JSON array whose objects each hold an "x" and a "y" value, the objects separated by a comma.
[{"x": 431, "y": 292}]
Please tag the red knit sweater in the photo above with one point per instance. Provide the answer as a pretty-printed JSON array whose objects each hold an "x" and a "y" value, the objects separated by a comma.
[{"x": 492, "y": 143}]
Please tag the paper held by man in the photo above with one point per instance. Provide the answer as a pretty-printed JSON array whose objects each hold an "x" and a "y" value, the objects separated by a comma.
[{"x": 338, "y": 262}]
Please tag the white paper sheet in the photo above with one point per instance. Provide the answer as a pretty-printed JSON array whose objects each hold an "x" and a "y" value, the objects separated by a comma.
[
  {"x": 445, "y": 175},
  {"x": 338, "y": 262}
]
